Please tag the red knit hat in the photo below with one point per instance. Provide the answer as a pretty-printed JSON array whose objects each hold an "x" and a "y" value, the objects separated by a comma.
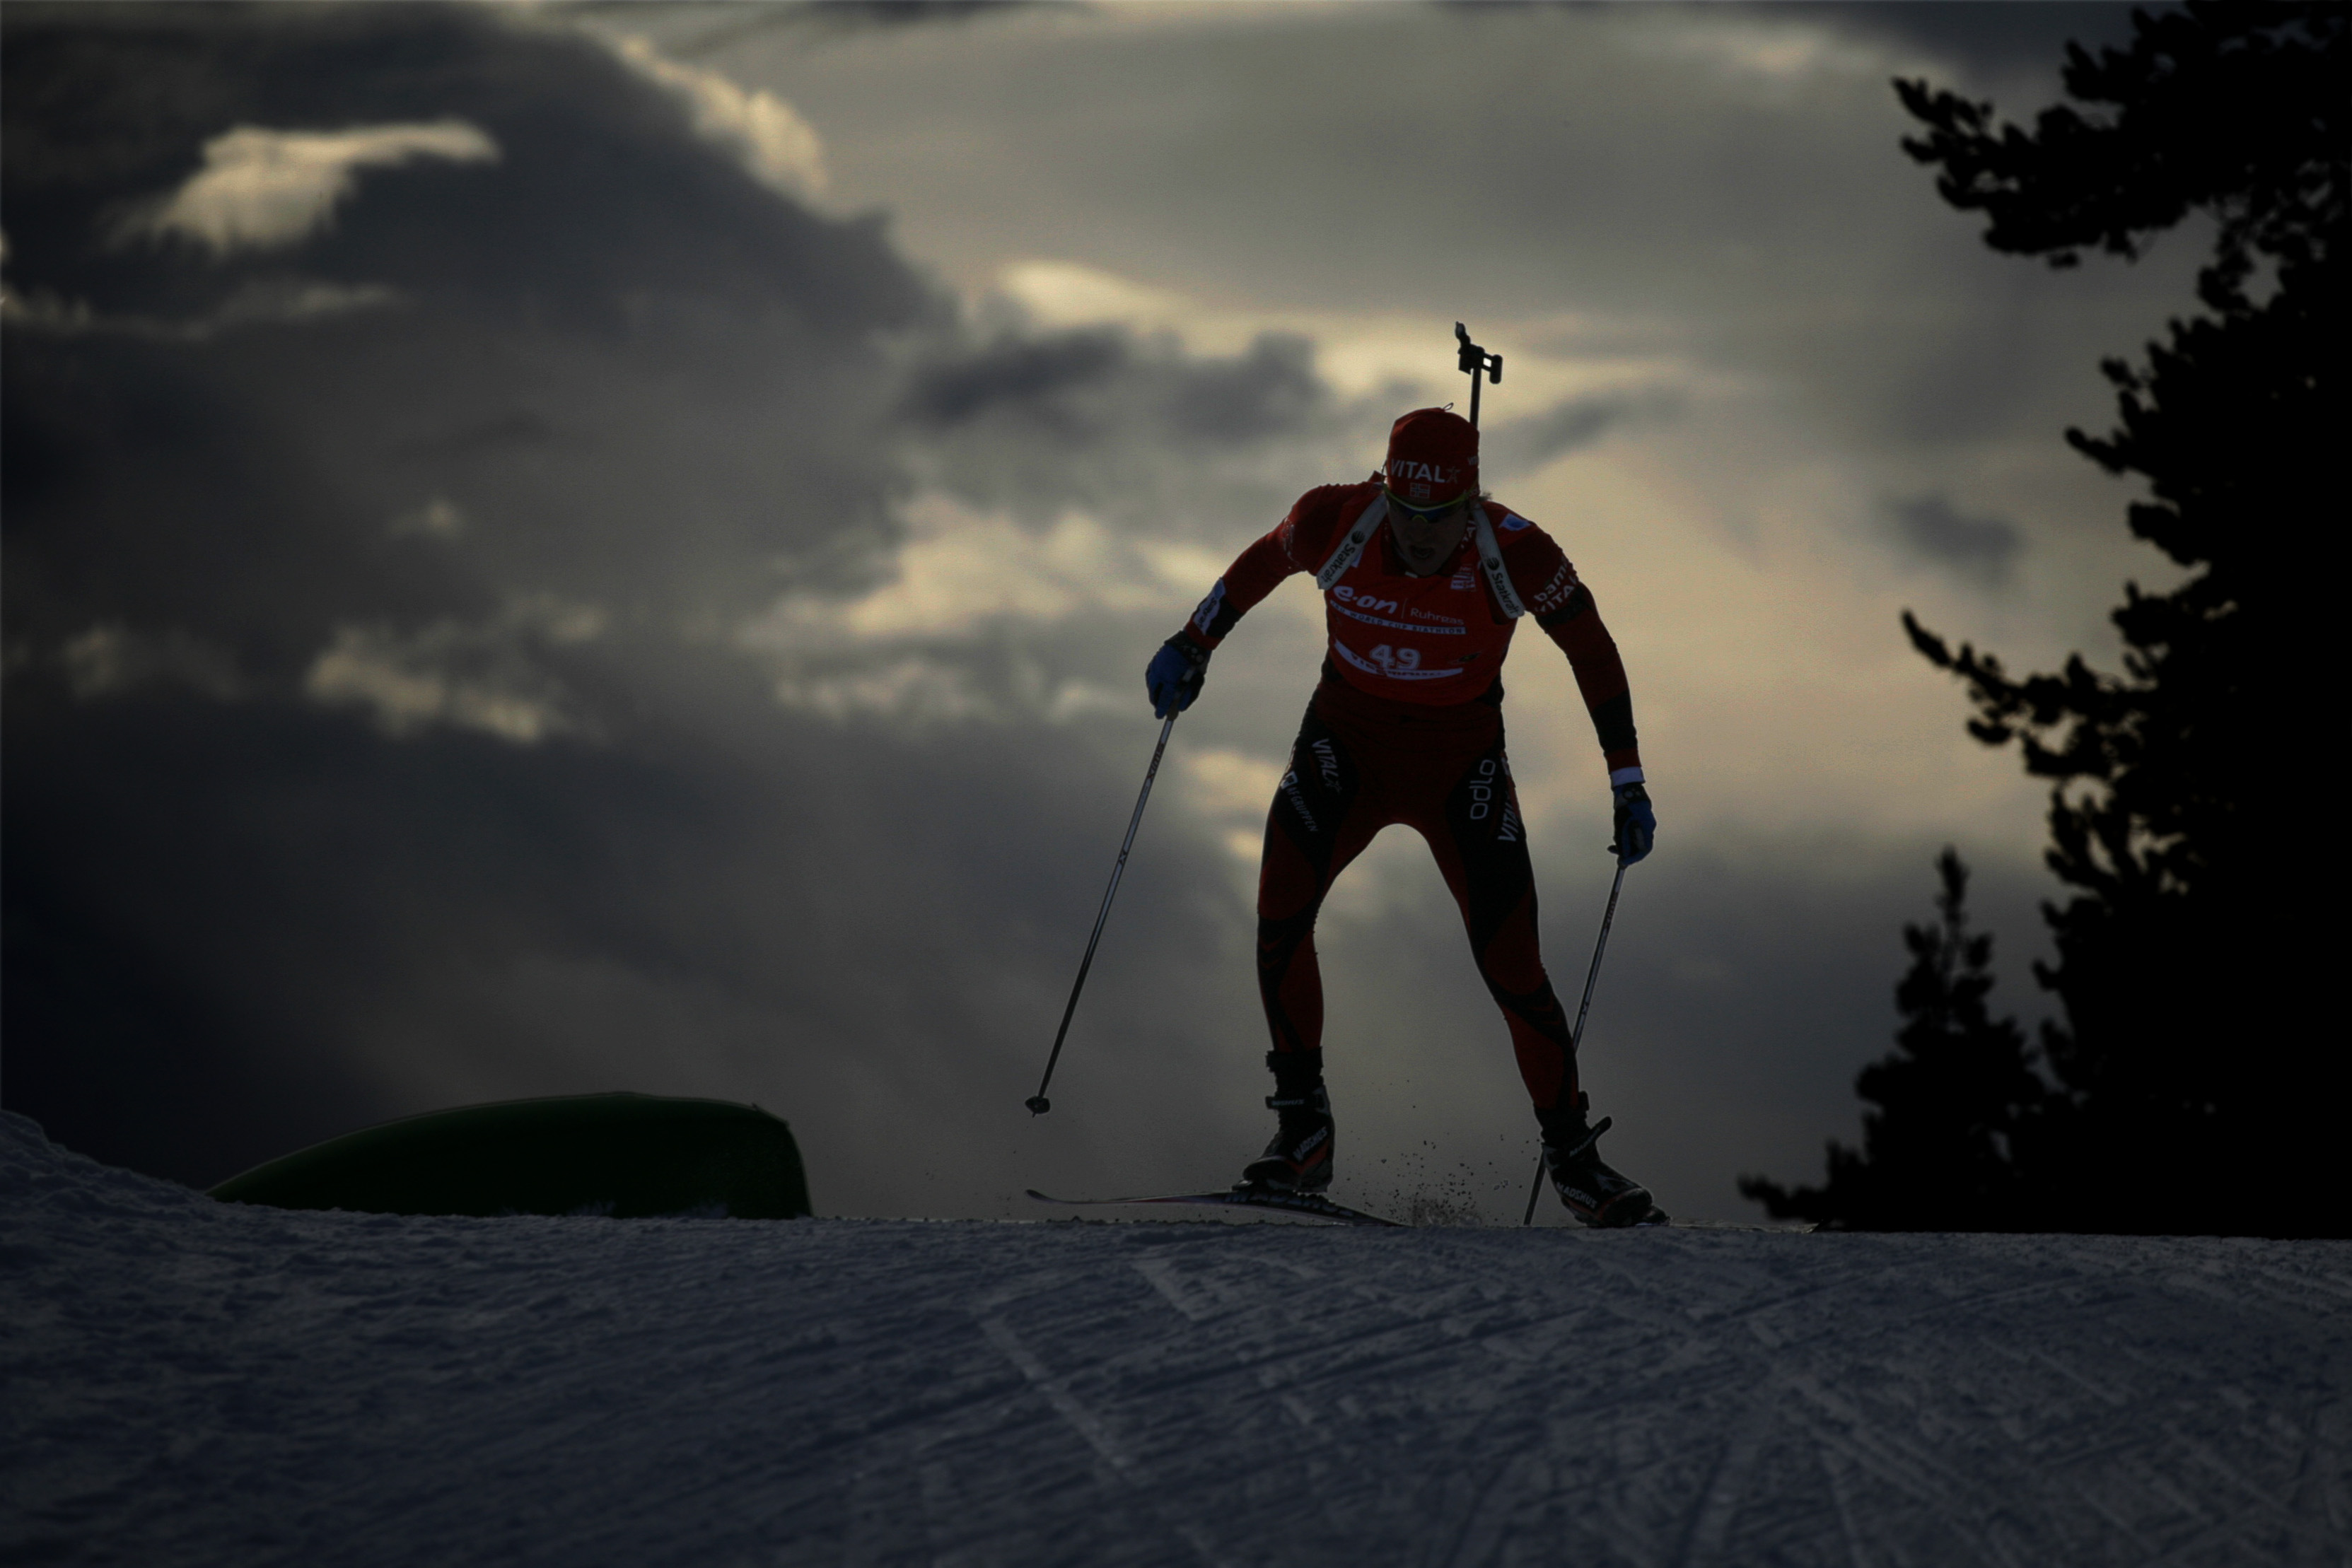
[{"x": 1432, "y": 459}]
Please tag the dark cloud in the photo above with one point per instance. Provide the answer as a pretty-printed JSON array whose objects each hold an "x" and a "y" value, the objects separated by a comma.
[
  {"x": 1130, "y": 426},
  {"x": 236, "y": 930},
  {"x": 1078, "y": 387},
  {"x": 592, "y": 164},
  {"x": 1983, "y": 549},
  {"x": 500, "y": 432},
  {"x": 727, "y": 25},
  {"x": 354, "y": 669},
  {"x": 1567, "y": 427},
  {"x": 547, "y": 303},
  {"x": 1052, "y": 385},
  {"x": 1712, "y": 190},
  {"x": 1270, "y": 393}
]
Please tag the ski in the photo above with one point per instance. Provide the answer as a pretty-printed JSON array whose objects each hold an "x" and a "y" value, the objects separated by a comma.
[
  {"x": 1323, "y": 1208},
  {"x": 1306, "y": 1206}
]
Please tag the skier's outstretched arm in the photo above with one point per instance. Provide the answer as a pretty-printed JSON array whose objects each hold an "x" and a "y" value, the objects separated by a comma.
[
  {"x": 1174, "y": 677},
  {"x": 1574, "y": 622}
]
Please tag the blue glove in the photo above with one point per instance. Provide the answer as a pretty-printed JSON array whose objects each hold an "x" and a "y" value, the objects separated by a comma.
[
  {"x": 1636, "y": 824},
  {"x": 1175, "y": 675}
]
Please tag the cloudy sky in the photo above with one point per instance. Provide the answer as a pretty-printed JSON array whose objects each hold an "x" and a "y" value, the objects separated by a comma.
[{"x": 562, "y": 549}]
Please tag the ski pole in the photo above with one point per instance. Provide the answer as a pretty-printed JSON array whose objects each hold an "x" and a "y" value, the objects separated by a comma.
[
  {"x": 1038, "y": 1104},
  {"x": 1576, "y": 1035}
]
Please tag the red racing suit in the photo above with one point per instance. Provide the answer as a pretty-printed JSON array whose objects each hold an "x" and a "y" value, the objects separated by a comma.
[{"x": 1407, "y": 727}]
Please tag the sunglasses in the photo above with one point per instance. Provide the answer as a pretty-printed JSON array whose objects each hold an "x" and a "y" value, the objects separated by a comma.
[{"x": 1421, "y": 514}]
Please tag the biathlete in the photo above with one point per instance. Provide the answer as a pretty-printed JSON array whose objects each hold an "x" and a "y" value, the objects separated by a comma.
[{"x": 1424, "y": 580}]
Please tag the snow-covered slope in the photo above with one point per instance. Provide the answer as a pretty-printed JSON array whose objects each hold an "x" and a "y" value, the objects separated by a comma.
[{"x": 185, "y": 1382}]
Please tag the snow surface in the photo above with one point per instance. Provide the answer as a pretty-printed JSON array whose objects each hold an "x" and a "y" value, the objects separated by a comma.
[{"x": 186, "y": 1381}]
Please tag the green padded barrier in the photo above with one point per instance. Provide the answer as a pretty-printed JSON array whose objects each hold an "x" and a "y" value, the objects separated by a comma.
[{"x": 628, "y": 1156}]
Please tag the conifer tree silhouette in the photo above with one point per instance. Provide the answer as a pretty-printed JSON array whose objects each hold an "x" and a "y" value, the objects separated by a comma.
[
  {"x": 2194, "y": 958},
  {"x": 1938, "y": 1154}
]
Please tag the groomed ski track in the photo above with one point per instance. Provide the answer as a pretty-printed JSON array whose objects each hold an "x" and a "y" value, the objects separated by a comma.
[{"x": 189, "y": 1383}]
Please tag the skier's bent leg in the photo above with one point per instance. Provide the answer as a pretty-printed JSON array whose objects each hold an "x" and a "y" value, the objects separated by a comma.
[
  {"x": 1482, "y": 851},
  {"x": 1311, "y": 837}
]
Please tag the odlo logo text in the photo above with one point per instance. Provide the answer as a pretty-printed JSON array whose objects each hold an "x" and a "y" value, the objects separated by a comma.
[{"x": 1489, "y": 786}]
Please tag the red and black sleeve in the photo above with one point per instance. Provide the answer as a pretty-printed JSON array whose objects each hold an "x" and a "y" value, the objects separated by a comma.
[
  {"x": 1563, "y": 606},
  {"x": 1298, "y": 543}
]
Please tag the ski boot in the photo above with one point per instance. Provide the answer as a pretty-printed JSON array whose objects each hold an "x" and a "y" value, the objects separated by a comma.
[
  {"x": 1299, "y": 1158},
  {"x": 1594, "y": 1193}
]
